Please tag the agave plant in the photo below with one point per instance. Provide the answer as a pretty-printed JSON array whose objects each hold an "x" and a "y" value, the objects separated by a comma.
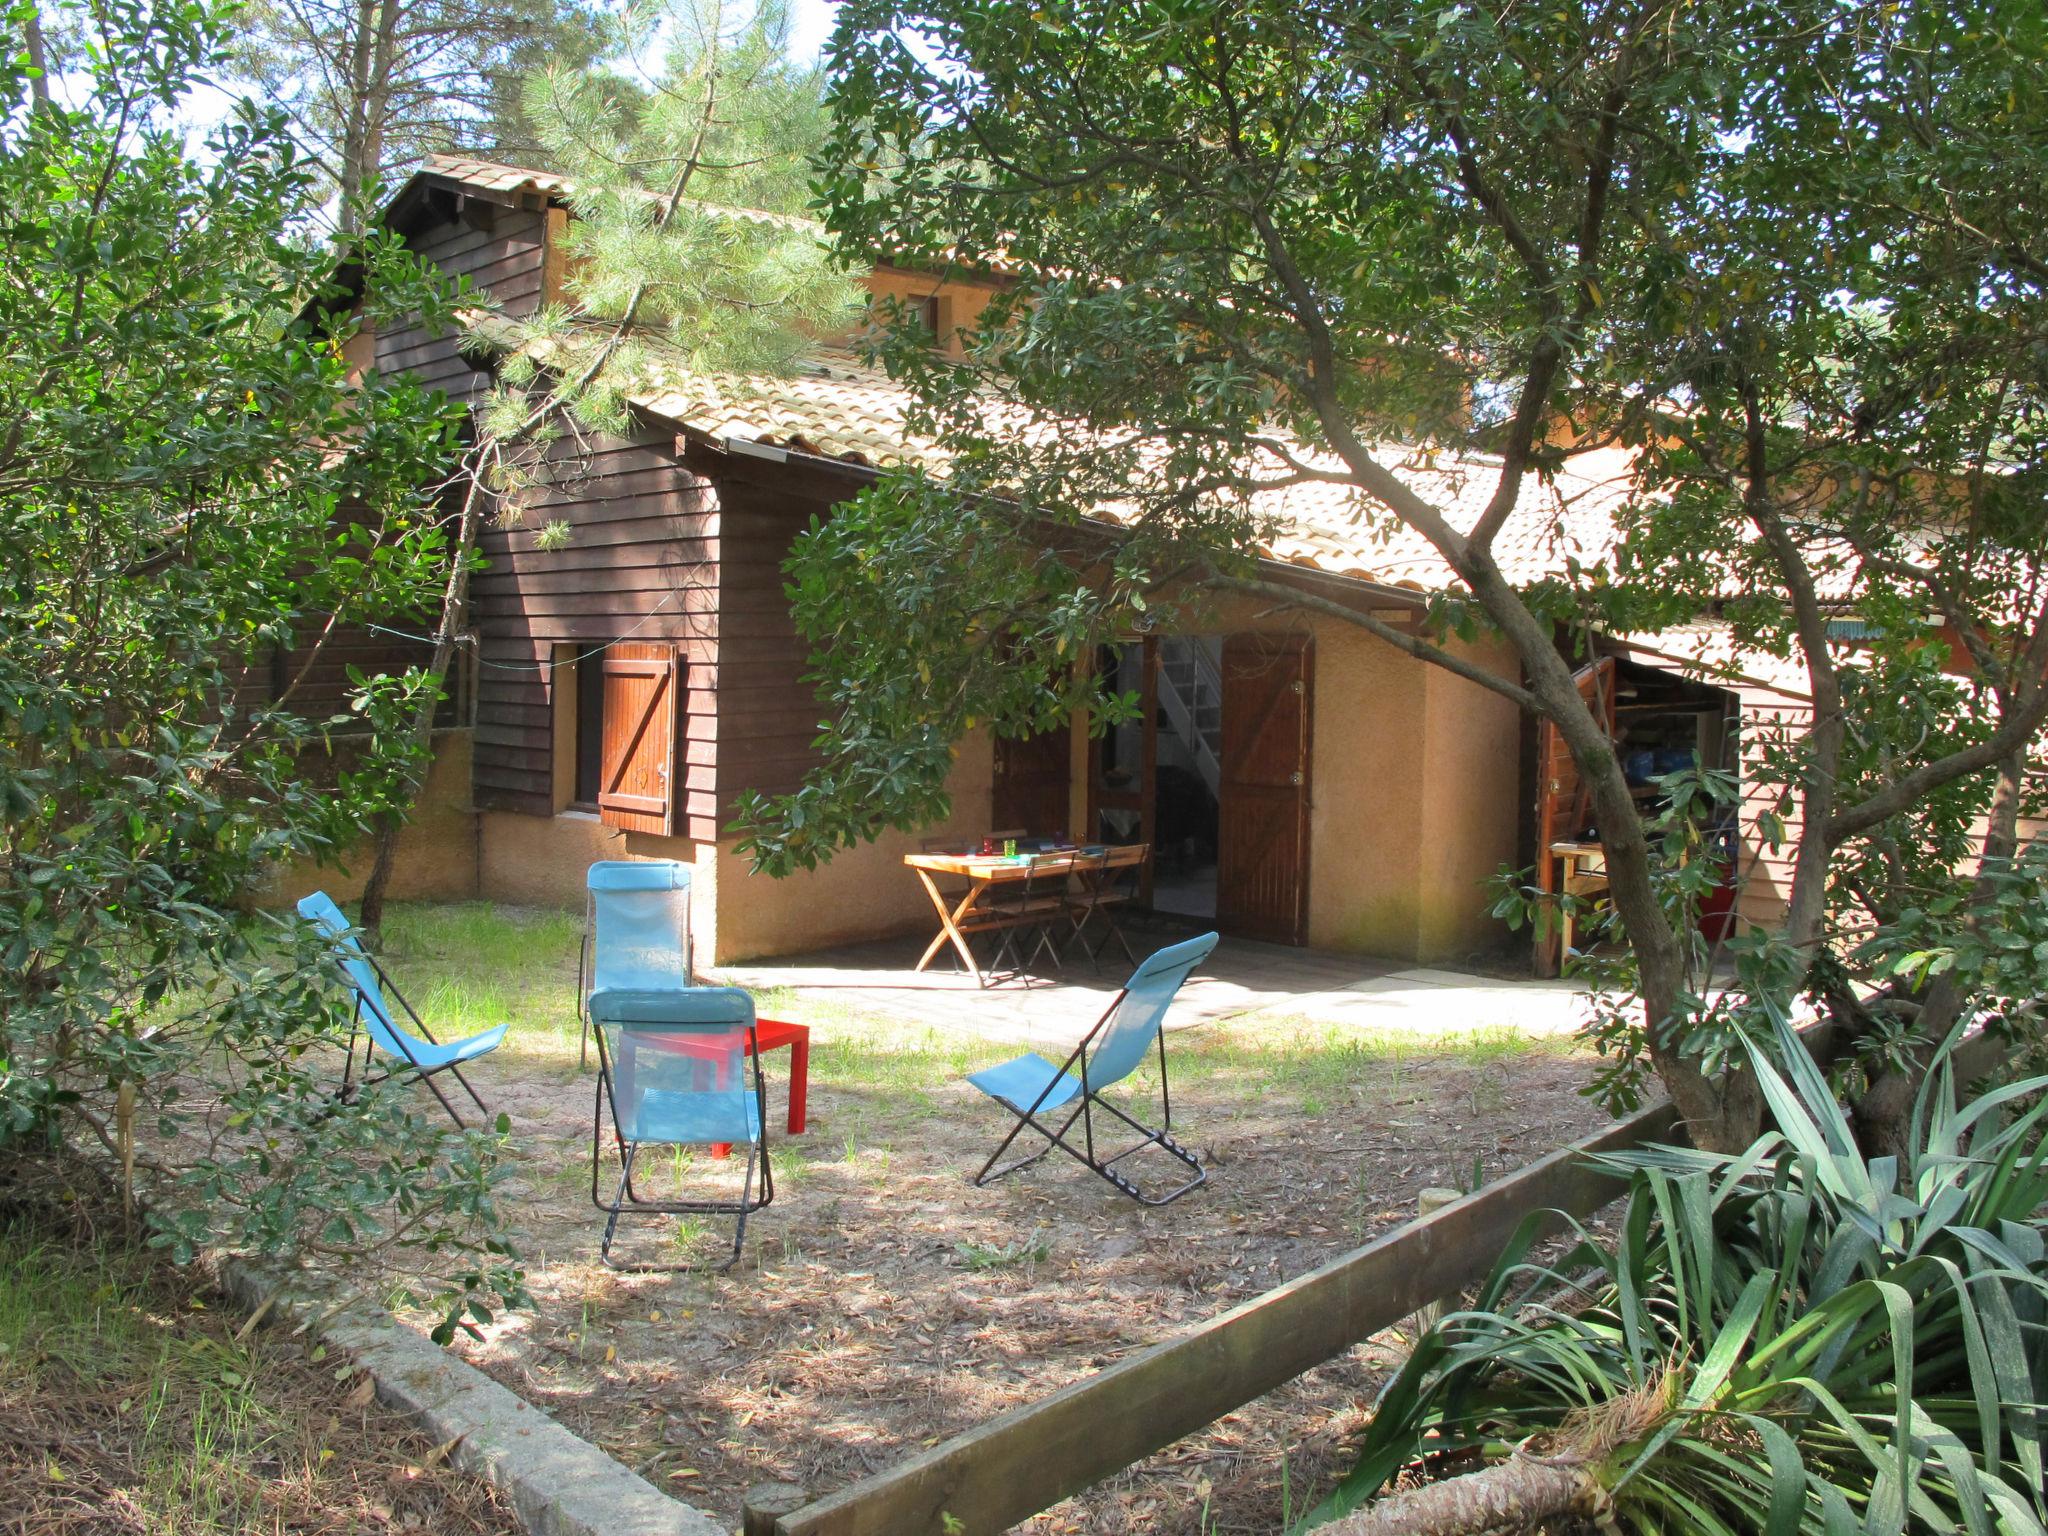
[{"x": 1792, "y": 1339}]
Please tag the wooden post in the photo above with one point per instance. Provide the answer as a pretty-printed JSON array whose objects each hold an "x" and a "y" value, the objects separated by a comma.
[
  {"x": 767, "y": 1503},
  {"x": 1428, "y": 1203},
  {"x": 988, "y": 1478}
]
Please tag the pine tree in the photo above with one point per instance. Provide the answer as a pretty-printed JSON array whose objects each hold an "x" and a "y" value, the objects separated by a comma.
[
  {"x": 684, "y": 255},
  {"x": 372, "y": 85}
]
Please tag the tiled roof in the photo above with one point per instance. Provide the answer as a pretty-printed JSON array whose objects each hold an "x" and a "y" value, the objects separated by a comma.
[
  {"x": 835, "y": 408},
  {"x": 514, "y": 181},
  {"x": 492, "y": 176},
  {"x": 1709, "y": 652}
]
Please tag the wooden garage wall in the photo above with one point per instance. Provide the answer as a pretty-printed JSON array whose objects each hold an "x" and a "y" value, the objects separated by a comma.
[
  {"x": 641, "y": 563},
  {"x": 1768, "y": 718},
  {"x": 768, "y": 715}
]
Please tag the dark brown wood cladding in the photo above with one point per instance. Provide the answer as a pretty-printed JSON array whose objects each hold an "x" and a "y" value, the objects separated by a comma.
[
  {"x": 503, "y": 260},
  {"x": 639, "y": 563},
  {"x": 770, "y": 715}
]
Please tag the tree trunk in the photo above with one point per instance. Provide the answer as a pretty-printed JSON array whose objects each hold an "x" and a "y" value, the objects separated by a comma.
[
  {"x": 1516, "y": 1495},
  {"x": 1883, "y": 1115},
  {"x": 362, "y": 48},
  {"x": 454, "y": 613},
  {"x": 38, "y": 57}
]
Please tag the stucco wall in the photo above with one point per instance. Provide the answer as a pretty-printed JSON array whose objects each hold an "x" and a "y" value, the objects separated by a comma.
[
  {"x": 863, "y": 893},
  {"x": 1472, "y": 789},
  {"x": 436, "y": 858},
  {"x": 1414, "y": 792},
  {"x": 1415, "y": 777}
]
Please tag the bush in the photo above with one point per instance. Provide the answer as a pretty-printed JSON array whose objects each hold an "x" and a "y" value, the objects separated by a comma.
[
  {"x": 1793, "y": 1339},
  {"x": 189, "y": 478}
]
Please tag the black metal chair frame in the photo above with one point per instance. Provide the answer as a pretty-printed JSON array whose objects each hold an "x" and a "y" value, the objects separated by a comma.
[
  {"x": 1099, "y": 877},
  {"x": 1083, "y": 1111},
  {"x": 425, "y": 1074},
  {"x": 1044, "y": 888},
  {"x": 628, "y": 1201}
]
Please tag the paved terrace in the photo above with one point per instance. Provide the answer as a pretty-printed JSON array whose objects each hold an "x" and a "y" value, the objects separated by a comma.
[{"x": 1242, "y": 978}]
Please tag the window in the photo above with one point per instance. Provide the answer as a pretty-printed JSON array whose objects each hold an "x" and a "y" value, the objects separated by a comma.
[{"x": 622, "y": 713}]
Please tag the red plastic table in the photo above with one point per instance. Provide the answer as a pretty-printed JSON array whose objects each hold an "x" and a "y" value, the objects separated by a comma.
[{"x": 769, "y": 1034}]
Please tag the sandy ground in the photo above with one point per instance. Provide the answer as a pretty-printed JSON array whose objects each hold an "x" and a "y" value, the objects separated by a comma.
[{"x": 884, "y": 1303}]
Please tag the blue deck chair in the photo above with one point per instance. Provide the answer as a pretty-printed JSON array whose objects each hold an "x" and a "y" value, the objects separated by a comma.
[
  {"x": 636, "y": 932},
  {"x": 378, "y": 1026},
  {"x": 672, "y": 1067},
  {"x": 1030, "y": 1086}
]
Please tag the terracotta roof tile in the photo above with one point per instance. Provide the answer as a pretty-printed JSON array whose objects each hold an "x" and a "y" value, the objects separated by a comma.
[{"x": 835, "y": 408}]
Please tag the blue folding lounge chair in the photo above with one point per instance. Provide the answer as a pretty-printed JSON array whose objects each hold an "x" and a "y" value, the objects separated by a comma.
[
  {"x": 1031, "y": 1086},
  {"x": 672, "y": 1066},
  {"x": 375, "y": 1021},
  {"x": 636, "y": 932}
]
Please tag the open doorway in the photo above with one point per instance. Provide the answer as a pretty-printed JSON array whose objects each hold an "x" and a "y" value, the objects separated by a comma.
[{"x": 1187, "y": 775}]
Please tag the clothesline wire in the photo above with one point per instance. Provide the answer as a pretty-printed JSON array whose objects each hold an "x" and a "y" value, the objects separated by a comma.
[{"x": 537, "y": 666}]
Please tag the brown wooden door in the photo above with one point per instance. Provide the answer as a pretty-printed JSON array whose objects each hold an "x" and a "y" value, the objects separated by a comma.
[
  {"x": 1262, "y": 832},
  {"x": 636, "y": 777},
  {"x": 1563, "y": 803},
  {"x": 1032, "y": 784}
]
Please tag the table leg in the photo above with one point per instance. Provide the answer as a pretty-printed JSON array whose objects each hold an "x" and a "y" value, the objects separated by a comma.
[
  {"x": 949, "y": 925},
  {"x": 799, "y": 1080}
]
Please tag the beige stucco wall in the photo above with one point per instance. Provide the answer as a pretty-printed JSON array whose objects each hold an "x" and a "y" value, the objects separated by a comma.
[
  {"x": 863, "y": 893},
  {"x": 436, "y": 858},
  {"x": 1414, "y": 793}
]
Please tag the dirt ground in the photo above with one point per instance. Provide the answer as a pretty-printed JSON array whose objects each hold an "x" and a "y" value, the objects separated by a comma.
[
  {"x": 133, "y": 1403},
  {"x": 884, "y": 1303}
]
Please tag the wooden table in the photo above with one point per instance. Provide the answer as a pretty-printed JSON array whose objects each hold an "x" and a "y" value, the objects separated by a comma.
[
  {"x": 982, "y": 872},
  {"x": 1582, "y": 871}
]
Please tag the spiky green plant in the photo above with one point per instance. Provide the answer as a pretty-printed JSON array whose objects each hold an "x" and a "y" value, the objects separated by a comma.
[{"x": 1795, "y": 1338}]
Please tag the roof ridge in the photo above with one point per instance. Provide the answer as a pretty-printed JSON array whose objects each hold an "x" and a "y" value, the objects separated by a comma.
[{"x": 454, "y": 166}]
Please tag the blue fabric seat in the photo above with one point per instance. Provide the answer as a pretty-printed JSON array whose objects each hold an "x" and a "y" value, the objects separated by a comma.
[
  {"x": 674, "y": 1068},
  {"x": 1030, "y": 1086},
  {"x": 1028, "y": 1082},
  {"x": 375, "y": 1019}
]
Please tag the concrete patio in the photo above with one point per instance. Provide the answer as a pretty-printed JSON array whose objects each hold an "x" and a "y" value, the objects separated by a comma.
[{"x": 1243, "y": 977}]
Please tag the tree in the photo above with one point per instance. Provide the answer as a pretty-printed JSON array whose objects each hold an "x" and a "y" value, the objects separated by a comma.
[
  {"x": 670, "y": 266},
  {"x": 190, "y": 478},
  {"x": 1784, "y": 254},
  {"x": 375, "y": 84}
]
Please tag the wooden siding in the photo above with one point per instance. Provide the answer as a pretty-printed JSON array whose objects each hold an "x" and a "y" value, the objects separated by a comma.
[
  {"x": 1768, "y": 720},
  {"x": 503, "y": 260},
  {"x": 770, "y": 715},
  {"x": 641, "y": 563}
]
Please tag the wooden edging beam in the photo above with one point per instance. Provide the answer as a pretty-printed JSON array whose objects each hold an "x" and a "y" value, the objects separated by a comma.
[{"x": 990, "y": 1477}]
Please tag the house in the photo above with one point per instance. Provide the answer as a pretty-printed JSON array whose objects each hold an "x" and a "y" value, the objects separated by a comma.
[{"x": 1300, "y": 780}]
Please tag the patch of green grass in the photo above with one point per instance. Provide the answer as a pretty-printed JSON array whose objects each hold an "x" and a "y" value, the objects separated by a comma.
[
  {"x": 131, "y": 1393},
  {"x": 1035, "y": 1249},
  {"x": 468, "y": 966},
  {"x": 1314, "y": 1060}
]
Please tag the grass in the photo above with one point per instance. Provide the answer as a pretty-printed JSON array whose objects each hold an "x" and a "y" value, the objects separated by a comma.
[
  {"x": 471, "y": 965},
  {"x": 1035, "y": 1249},
  {"x": 132, "y": 1403}
]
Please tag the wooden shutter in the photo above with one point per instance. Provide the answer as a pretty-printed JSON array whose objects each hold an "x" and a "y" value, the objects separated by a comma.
[
  {"x": 1563, "y": 803},
  {"x": 642, "y": 703},
  {"x": 1262, "y": 812}
]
